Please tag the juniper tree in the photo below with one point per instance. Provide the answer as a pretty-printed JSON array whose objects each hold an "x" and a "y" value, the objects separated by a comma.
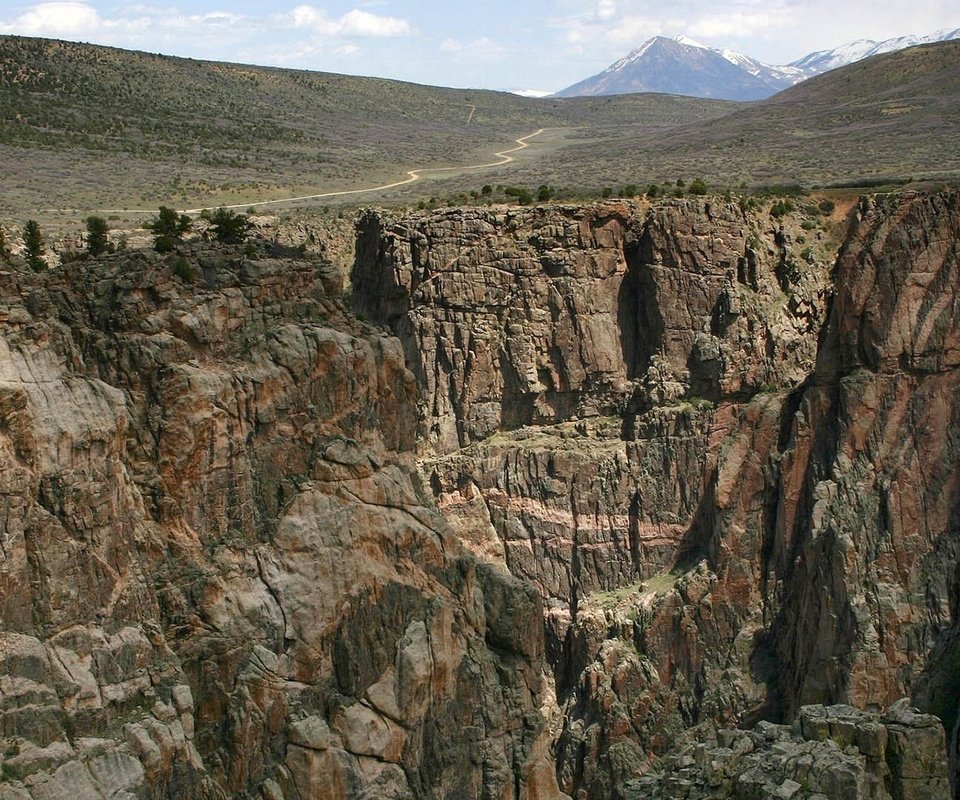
[
  {"x": 97, "y": 236},
  {"x": 228, "y": 227},
  {"x": 33, "y": 245},
  {"x": 168, "y": 229}
]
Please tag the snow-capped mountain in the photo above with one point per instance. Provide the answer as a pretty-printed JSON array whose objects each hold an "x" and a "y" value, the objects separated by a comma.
[
  {"x": 682, "y": 66},
  {"x": 679, "y": 66},
  {"x": 824, "y": 60}
]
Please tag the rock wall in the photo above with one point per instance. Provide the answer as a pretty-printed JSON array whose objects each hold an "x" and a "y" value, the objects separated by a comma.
[
  {"x": 619, "y": 477},
  {"x": 218, "y": 574},
  {"x": 542, "y": 316},
  {"x": 734, "y": 496},
  {"x": 837, "y": 751}
]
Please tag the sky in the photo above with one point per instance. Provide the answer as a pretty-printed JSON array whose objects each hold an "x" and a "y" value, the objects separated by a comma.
[{"x": 529, "y": 46}]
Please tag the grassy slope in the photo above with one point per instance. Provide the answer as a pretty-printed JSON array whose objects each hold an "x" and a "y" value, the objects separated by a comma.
[
  {"x": 94, "y": 127},
  {"x": 90, "y": 128},
  {"x": 892, "y": 116}
]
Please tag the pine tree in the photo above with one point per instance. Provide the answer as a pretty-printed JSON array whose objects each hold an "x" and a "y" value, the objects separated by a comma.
[
  {"x": 97, "y": 239},
  {"x": 168, "y": 229},
  {"x": 33, "y": 244},
  {"x": 228, "y": 227}
]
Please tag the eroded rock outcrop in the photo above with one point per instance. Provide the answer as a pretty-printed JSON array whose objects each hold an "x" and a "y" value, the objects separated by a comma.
[
  {"x": 837, "y": 751},
  {"x": 219, "y": 577},
  {"x": 730, "y": 508},
  {"x": 620, "y": 478}
]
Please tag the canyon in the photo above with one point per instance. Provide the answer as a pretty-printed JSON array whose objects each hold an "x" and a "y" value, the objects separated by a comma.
[{"x": 613, "y": 500}]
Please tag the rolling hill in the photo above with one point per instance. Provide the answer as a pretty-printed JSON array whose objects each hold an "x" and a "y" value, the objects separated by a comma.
[
  {"x": 92, "y": 129},
  {"x": 89, "y": 127}
]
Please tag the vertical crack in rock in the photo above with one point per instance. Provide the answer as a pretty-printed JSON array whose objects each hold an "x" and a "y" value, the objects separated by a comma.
[
  {"x": 784, "y": 530},
  {"x": 619, "y": 480}
]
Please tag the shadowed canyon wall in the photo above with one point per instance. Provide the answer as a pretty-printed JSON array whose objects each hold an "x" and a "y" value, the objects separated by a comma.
[
  {"x": 735, "y": 492},
  {"x": 575, "y": 489}
]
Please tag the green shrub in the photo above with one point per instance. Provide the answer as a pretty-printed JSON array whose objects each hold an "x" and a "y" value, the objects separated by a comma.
[
  {"x": 698, "y": 187},
  {"x": 826, "y": 206},
  {"x": 33, "y": 245},
  {"x": 780, "y": 208},
  {"x": 98, "y": 240},
  {"x": 522, "y": 195},
  {"x": 228, "y": 227},
  {"x": 183, "y": 270},
  {"x": 164, "y": 244}
]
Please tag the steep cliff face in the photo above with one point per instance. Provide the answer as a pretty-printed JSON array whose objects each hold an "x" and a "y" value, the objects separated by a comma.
[
  {"x": 622, "y": 477},
  {"x": 219, "y": 575},
  {"x": 725, "y": 521},
  {"x": 543, "y": 316},
  {"x": 868, "y": 529}
]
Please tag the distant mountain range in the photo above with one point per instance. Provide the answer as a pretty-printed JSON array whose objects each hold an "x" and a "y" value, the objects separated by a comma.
[{"x": 682, "y": 66}]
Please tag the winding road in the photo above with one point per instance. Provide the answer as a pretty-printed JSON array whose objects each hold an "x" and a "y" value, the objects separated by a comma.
[
  {"x": 504, "y": 157},
  {"x": 414, "y": 175}
]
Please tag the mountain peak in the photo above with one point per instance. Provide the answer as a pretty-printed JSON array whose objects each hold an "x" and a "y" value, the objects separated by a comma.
[
  {"x": 685, "y": 40},
  {"x": 680, "y": 65}
]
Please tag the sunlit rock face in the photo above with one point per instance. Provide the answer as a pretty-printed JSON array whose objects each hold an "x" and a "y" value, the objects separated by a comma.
[
  {"x": 220, "y": 577},
  {"x": 603, "y": 501},
  {"x": 730, "y": 473}
]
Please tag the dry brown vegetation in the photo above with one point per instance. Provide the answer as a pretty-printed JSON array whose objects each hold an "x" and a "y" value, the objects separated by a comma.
[{"x": 86, "y": 128}]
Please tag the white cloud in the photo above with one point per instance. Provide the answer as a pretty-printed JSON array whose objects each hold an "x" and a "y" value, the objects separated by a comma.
[
  {"x": 631, "y": 31},
  {"x": 741, "y": 24},
  {"x": 55, "y": 19},
  {"x": 142, "y": 24},
  {"x": 483, "y": 47},
  {"x": 363, "y": 23},
  {"x": 606, "y": 9},
  {"x": 353, "y": 23},
  {"x": 219, "y": 18},
  {"x": 531, "y": 92}
]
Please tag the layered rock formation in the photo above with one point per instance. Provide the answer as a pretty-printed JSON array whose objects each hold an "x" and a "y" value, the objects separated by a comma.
[
  {"x": 726, "y": 521},
  {"x": 219, "y": 575},
  {"x": 617, "y": 478}
]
